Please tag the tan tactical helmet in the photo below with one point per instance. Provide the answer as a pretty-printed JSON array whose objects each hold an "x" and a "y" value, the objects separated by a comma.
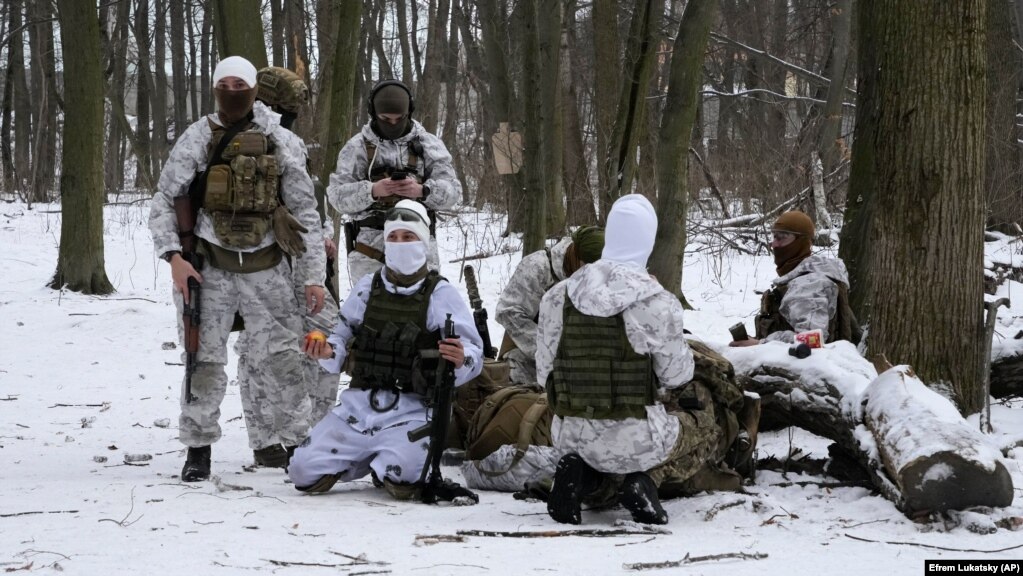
[{"x": 281, "y": 89}]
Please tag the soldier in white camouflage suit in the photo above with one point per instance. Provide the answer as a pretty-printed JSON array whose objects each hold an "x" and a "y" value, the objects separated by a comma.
[
  {"x": 519, "y": 305},
  {"x": 244, "y": 270},
  {"x": 390, "y": 319},
  {"x": 610, "y": 343},
  {"x": 363, "y": 186},
  {"x": 286, "y": 95},
  {"x": 811, "y": 291}
]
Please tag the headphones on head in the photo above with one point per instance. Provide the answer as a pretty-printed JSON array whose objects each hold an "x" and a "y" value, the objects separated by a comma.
[{"x": 382, "y": 84}]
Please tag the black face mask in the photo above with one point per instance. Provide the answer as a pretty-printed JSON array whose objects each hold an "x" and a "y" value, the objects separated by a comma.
[
  {"x": 233, "y": 105},
  {"x": 391, "y": 131}
]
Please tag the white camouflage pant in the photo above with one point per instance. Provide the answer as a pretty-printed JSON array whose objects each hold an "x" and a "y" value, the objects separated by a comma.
[{"x": 266, "y": 301}]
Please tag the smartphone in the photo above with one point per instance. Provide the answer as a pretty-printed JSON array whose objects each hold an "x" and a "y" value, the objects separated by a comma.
[
  {"x": 398, "y": 175},
  {"x": 738, "y": 332}
]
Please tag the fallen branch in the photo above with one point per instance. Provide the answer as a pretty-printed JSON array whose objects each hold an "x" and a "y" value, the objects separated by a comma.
[
  {"x": 482, "y": 255},
  {"x": 711, "y": 181},
  {"x": 693, "y": 560},
  {"x": 13, "y": 514},
  {"x": 561, "y": 533},
  {"x": 123, "y": 522},
  {"x": 9, "y": 398},
  {"x": 932, "y": 547},
  {"x": 79, "y": 405},
  {"x": 719, "y": 507},
  {"x": 990, "y": 318}
]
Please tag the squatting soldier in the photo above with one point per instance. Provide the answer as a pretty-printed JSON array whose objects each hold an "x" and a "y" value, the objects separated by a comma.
[
  {"x": 393, "y": 157},
  {"x": 393, "y": 320},
  {"x": 258, "y": 174},
  {"x": 610, "y": 341},
  {"x": 519, "y": 305},
  {"x": 811, "y": 291}
]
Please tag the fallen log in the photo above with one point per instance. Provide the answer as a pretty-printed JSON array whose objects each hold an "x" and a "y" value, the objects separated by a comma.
[
  {"x": 1007, "y": 376},
  {"x": 912, "y": 443}
]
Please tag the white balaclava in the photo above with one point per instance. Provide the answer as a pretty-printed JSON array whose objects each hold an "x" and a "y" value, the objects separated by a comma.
[
  {"x": 630, "y": 231},
  {"x": 407, "y": 257}
]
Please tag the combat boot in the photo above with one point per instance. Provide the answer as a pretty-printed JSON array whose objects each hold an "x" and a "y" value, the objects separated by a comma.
[
  {"x": 638, "y": 495},
  {"x": 274, "y": 456},
  {"x": 325, "y": 483},
  {"x": 197, "y": 465},
  {"x": 573, "y": 480}
]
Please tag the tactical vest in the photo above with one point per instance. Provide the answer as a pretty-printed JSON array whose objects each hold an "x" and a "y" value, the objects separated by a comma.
[
  {"x": 597, "y": 373},
  {"x": 378, "y": 209},
  {"x": 394, "y": 350},
  {"x": 242, "y": 188},
  {"x": 842, "y": 326}
]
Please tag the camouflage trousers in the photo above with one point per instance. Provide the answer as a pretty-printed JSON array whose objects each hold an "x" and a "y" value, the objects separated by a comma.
[
  {"x": 264, "y": 418},
  {"x": 694, "y": 464},
  {"x": 267, "y": 303}
]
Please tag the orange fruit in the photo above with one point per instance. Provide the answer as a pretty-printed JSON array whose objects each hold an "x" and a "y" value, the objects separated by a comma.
[{"x": 316, "y": 335}]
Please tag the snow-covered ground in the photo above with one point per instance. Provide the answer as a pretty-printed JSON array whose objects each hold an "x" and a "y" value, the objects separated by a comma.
[{"x": 86, "y": 384}]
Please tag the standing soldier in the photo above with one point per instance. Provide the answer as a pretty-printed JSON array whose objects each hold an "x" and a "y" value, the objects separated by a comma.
[
  {"x": 286, "y": 94},
  {"x": 251, "y": 173},
  {"x": 393, "y": 157}
]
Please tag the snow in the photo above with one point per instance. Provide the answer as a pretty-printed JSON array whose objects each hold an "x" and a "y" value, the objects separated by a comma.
[{"x": 84, "y": 378}]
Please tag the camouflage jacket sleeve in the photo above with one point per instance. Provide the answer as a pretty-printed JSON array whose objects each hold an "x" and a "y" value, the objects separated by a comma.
[
  {"x": 519, "y": 304},
  {"x": 446, "y": 300},
  {"x": 445, "y": 189},
  {"x": 350, "y": 190},
  {"x": 299, "y": 197},
  {"x": 548, "y": 333},
  {"x": 187, "y": 158},
  {"x": 654, "y": 326},
  {"x": 809, "y": 303},
  {"x": 349, "y": 319}
]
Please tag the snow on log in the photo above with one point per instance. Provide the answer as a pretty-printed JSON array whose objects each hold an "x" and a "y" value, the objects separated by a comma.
[{"x": 938, "y": 460}]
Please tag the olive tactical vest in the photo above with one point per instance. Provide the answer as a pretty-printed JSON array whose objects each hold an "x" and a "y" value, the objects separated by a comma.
[
  {"x": 597, "y": 373},
  {"x": 390, "y": 343},
  {"x": 242, "y": 188},
  {"x": 842, "y": 326}
]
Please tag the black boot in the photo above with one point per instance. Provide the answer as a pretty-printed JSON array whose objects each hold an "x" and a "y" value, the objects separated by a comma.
[
  {"x": 197, "y": 465},
  {"x": 274, "y": 456},
  {"x": 573, "y": 480},
  {"x": 638, "y": 495}
]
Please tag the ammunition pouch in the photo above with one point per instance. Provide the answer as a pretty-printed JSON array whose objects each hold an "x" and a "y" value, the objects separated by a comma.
[{"x": 240, "y": 262}]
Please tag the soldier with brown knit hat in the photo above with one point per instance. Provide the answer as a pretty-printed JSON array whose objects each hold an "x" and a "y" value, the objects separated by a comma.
[{"x": 811, "y": 291}]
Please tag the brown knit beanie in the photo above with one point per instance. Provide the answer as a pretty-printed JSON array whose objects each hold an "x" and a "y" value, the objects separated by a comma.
[{"x": 786, "y": 258}]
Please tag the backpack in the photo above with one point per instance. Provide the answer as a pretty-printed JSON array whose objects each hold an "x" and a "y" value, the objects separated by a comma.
[
  {"x": 516, "y": 415},
  {"x": 471, "y": 395}
]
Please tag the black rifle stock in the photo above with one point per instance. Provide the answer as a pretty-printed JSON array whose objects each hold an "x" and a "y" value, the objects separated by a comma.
[
  {"x": 479, "y": 313},
  {"x": 192, "y": 314},
  {"x": 435, "y": 488}
]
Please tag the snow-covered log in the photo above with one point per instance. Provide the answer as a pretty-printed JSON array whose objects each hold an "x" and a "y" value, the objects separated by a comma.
[
  {"x": 938, "y": 460},
  {"x": 916, "y": 448},
  {"x": 1007, "y": 376}
]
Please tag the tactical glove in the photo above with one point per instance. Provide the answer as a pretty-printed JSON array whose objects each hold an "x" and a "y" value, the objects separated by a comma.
[{"x": 288, "y": 231}]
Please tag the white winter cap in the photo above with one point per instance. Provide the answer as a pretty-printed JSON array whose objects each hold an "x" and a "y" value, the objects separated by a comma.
[
  {"x": 408, "y": 215},
  {"x": 630, "y": 231},
  {"x": 235, "y": 66}
]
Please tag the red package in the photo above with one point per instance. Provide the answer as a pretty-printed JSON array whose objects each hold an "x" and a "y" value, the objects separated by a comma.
[{"x": 812, "y": 338}]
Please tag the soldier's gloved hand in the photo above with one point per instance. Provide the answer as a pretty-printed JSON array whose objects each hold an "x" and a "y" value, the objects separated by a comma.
[{"x": 288, "y": 231}]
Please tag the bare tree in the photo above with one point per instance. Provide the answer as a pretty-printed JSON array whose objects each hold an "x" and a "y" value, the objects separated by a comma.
[
  {"x": 349, "y": 20},
  {"x": 239, "y": 30},
  {"x": 20, "y": 95},
  {"x": 45, "y": 99},
  {"x": 80, "y": 264}
]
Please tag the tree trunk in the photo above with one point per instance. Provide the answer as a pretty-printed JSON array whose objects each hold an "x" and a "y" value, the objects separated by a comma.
[
  {"x": 80, "y": 256},
  {"x": 325, "y": 45},
  {"x": 1002, "y": 183},
  {"x": 21, "y": 106},
  {"x": 178, "y": 83},
  {"x": 628, "y": 125},
  {"x": 403, "y": 41},
  {"x": 579, "y": 197},
  {"x": 449, "y": 133},
  {"x": 114, "y": 36},
  {"x": 375, "y": 38},
  {"x": 190, "y": 80},
  {"x": 277, "y": 40},
  {"x": 533, "y": 132},
  {"x": 143, "y": 91},
  {"x": 205, "y": 56},
  {"x": 675, "y": 133},
  {"x": 428, "y": 91},
  {"x": 549, "y": 29},
  {"x": 160, "y": 132},
  {"x": 607, "y": 75},
  {"x": 239, "y": 30},
  {"x": 856, "y": 245},
  {"x": 349, "y": 21},
  {"x": 830, "y": 144},
  {"x": 929, "y": 181},
  {"x": 44, "y": 154}
]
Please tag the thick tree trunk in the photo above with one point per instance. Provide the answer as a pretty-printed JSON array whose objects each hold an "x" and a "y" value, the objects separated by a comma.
[
  {"x": 80, "y": 256},
  {"x": 239, "y": 30},
  {"x": 533, "y": 132},
  {"x": 830, "y": 144},
  {"x": 607, "y": 75},
  {"x": 428, "y": 91},
  {"x": 403, "y": 40},
  {"x": 1003, "y": 187},
  {"x": 674, "y": 137},
  {"x": 579, "y": 196},
  {"x": 930, "y": 219},
  {"x": 277, "y": 40},
  {"x": 552, "y": 114},
  {"x": 349, "y": 20}
]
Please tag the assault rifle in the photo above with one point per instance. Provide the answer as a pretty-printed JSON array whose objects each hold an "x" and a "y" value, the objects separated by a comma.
[
  {"x": 479, "y": 313},
  {"x": 436, "y": 488},
  {"x": 192, "y": 313}
]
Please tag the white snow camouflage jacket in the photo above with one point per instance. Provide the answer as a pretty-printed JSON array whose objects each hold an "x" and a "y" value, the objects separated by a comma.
[
  {"x": 811, "y": 299},
  {"x": 519, "y": 304}
]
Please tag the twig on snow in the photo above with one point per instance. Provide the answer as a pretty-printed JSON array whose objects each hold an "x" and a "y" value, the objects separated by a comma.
[
  {"x": 719, "y": 507},
  {"x": 932, "y": 547},
  {"x": 123, "y": 522},
  {"x": 693, "y": 560},
  {"x": 29, "y": 513}
]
